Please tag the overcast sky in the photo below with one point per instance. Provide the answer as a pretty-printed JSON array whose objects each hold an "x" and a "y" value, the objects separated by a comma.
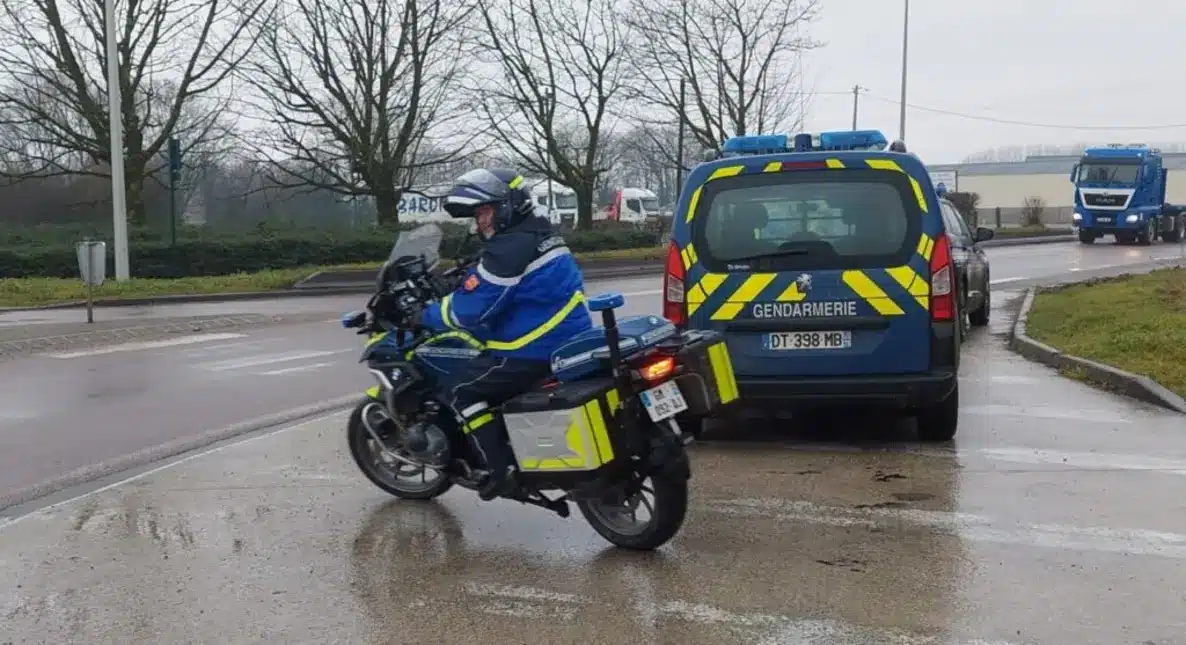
[{"x": 1068, "y": 62}]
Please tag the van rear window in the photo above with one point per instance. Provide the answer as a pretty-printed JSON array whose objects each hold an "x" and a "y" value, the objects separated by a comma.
[{"x": 808, "y": 220}]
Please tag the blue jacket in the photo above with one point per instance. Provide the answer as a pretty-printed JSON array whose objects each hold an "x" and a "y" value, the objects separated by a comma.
[{"x": 524, "y": 299}]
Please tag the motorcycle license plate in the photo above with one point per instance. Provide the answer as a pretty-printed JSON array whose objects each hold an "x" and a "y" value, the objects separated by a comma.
[{"x": 663, "y": 402}]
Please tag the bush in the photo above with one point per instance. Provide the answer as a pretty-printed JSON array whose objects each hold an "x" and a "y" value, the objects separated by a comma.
[
  {"x": 208, "y": 253},
  {"x": 966, "y": 204},
  {"x": 1031, "y": 211}
]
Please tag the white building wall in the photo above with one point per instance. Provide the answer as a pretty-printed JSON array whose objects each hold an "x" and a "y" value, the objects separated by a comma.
[{"x": 1011, "y": 191}]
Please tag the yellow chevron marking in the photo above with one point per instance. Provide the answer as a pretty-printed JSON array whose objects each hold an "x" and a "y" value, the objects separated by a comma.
[{"x": 868, "y": 290}]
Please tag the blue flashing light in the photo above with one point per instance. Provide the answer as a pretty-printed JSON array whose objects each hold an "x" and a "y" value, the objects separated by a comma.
[
  {"x": 853, "y": 140},
  {"x": 755, "y": 145},
  {"x": 941, "y": 189},
  {"x": 840, "y": 140}
]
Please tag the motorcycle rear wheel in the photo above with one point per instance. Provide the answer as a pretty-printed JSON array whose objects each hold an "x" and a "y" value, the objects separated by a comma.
[
  {"x": 667, "y": 511},
  {"x": 387, "y": 476}
]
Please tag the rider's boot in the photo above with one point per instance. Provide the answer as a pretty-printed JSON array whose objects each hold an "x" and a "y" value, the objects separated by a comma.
[{"x": 487, "y": 435}]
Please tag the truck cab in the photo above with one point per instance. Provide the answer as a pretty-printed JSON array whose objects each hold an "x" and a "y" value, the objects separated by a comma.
[
  {"x": 555, "y": 201},
  {"x": 1120, "y": 190},
  {"x": 634, "y": 205}
]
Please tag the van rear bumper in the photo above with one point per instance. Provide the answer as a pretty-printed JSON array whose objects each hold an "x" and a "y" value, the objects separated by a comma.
[{"x": 897, "y": 390}]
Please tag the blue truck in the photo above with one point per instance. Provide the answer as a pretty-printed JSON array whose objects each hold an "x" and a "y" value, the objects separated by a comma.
[{"x": 1120, "y": 191}]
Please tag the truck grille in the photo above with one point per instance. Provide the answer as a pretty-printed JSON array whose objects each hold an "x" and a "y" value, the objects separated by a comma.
[{"x": 1104, "y": 200}]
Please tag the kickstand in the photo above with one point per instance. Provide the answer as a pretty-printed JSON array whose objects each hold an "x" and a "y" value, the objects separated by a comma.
[{"x": 558, "y": 506}]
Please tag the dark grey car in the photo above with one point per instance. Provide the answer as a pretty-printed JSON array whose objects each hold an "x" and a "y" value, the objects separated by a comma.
[{"x": 971, "y": 264}]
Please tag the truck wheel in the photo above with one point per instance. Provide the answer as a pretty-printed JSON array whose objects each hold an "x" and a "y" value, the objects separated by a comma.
[
  {"x": 1087, "y": 237},
  {"x": 939, "y": 421},
  {"x": 1146, "y": 237},
  {"x": 1178, "y": 232}
]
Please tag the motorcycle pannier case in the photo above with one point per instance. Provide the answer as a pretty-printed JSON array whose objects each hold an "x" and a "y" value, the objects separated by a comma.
[
  {"x": 708, "y": 381},
  {"x": 567, "y": 428}
]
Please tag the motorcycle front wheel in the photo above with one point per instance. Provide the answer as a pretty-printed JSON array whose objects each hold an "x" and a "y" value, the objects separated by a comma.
[
  {"x": 392, "y": 476},
  {"x": 664, "y": 499}
]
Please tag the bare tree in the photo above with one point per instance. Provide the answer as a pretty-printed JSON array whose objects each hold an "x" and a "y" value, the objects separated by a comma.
[
  {"x": 737, "y": 59},
  {"x": 354, "y": 91},
  {"x": 563, "y": 73},
  {"x": 173, "y": 54}
]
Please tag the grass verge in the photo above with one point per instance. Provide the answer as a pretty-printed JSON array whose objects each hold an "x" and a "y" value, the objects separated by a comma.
[
  {"x": 35, "y": 292},
  {"x": 1136, "y": 323},
  {"x": 1029, "y": 231}
]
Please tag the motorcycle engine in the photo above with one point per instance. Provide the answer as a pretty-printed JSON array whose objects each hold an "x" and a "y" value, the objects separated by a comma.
[{"x": 426, "y": 442}]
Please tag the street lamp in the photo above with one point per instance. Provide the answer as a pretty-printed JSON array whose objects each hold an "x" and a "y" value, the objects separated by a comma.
[
  {"x": 905, "y": 41},
  {"x": 119, "y": 210}
]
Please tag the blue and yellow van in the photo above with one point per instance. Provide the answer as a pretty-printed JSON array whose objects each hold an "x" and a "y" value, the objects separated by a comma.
[{"x": 823, "y": 260}]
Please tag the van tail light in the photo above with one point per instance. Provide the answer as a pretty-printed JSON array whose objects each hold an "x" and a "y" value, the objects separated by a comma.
[
  {"x": 942, "y": 281},
  {"x": 673, "y": 287}
]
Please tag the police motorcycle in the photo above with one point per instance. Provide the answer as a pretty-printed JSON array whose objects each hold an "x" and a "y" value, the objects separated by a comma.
[{"x": 602, "y": 432}]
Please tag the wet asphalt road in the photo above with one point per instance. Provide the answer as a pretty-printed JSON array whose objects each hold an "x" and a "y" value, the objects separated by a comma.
[
  {"x": 78, "y": 409},
  {"x": 1057, "y": 517}
]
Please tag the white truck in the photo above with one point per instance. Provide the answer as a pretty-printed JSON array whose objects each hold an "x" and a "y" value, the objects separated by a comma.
[
  {"x": 634, "y": 205},
  {"x": 555, "y": 201}
]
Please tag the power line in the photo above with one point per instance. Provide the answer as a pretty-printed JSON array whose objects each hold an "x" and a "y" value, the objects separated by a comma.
[{"x": 1028, "y": 124}]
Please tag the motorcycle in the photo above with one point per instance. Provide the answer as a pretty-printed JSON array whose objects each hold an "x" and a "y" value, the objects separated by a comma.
[{"x": 603, "y": 431}]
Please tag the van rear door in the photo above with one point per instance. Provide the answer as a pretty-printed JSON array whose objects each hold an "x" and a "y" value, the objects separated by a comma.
[{"x": 815, "y": 272}]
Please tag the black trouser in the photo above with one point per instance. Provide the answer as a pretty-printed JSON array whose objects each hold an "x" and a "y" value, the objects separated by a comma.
[{"x": 476, "y": 389}]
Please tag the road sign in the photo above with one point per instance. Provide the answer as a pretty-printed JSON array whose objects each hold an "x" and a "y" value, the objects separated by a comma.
[
  {"x": 92, "y": 268},
  {"x": 948, "y": 178}
]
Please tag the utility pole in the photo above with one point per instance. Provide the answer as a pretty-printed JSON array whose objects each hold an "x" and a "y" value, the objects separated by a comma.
[
  {"x": 905, "y": 41},
  {"x": 119, "y": 205},
  {"x": 679, "y": 144},
  {"x": 856, "y": 93}
]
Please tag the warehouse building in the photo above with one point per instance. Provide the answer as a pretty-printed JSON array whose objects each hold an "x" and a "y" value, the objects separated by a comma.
[{"x": 1007, "y": 186}]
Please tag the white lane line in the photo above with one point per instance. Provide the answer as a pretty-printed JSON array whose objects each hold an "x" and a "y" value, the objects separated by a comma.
[
  {"x": 1092, "y": 460},
  {"x": 268, "y": 359},
  {"x": 535, "y": 602},
  {"x": 1008, "y": 280},
  {"x": 293, "y": 370},
  {"x": 1044, "y": 412},
  {"x": 152, "y": 344},
  {"x": 46, "y": 511},
  {"x": 973, "y": 527}
]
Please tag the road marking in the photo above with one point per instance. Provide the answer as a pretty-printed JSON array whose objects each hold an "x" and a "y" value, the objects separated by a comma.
[
  {"x": 1008, "y": 280},
  {"x": 152, "y": 344},
  {"x": 46, "y": 511},
  {"x": 534, "y": 602},
  {"x": 972, "y": 527},
  {"x": 293, "y": 370},
  {"x": 1044, "y": 412},
  {"x": 1093, "y": 460},
  {"x": 268, "y": 359}
]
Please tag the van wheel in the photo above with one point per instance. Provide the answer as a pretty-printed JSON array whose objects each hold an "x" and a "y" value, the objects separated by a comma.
[
  {"x": 979, "y": 318},
  {"x": 1087, "y": 237},
  {"x": 939, "y": 421}
]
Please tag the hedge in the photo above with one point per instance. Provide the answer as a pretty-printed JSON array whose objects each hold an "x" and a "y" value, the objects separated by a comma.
[{"x": 223, "y": 253}]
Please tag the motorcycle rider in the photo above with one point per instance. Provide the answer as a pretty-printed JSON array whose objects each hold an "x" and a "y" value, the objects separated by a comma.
[{"x": 524, "y": 299}]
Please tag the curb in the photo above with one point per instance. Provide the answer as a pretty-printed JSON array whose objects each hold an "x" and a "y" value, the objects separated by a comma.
[
  {"x": 164, "y": 451},
  {"x": 1135, "y": 386},
  {"x": 363, "y": 280},
  {"x": 1026, "y": 241},
  {"x": 185, "y": 298}
]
